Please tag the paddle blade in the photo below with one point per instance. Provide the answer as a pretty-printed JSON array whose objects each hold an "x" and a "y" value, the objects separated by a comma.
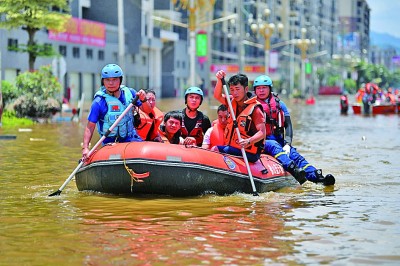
[{"x": 57, "y": 193}]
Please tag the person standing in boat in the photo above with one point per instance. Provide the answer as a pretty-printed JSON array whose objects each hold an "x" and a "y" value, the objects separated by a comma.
[
  {"x": 109, "y": 102},
  {"x": 249, "y": 115},
  {"x": 215, "y": 135},
  {"x": 280, "y": 134},
  {"x": 170, "y": 130},
  {"x": 194, "y": 122},
  {"x": 148, "y": 129}
]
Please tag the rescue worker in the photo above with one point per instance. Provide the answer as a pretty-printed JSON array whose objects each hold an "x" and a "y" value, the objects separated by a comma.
[
  {"x": 280, "y": 134},
  {"x": 194, "y": 122},
  {"x": 249, "y": 115},
  {"x": 109, "y": 102},
  {"x": 215, "y": 134},
  {"x": 170, "y": 130},
  {"x": 148, "y": 128}
]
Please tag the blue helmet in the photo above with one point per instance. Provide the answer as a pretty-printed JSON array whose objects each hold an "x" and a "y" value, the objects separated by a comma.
[
  {"x": 111, "y": 71},
  {"x": 262, "y": 80},
  {"x": 195, "y": 90}
]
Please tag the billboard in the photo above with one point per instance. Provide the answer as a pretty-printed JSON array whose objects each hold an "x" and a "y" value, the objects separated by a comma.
[{"x": 81, "y": 31}]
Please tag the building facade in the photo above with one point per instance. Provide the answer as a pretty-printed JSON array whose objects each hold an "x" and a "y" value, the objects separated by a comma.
[{"x": 151, "y": 40}]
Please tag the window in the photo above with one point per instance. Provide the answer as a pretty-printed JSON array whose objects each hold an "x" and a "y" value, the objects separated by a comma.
[
  {"x": 62, "y": 49},
  {"x": 101, "y": 55},
  {"x": 12, "y": 44},
  {"x": 115, "y": 56},
  {"x": 75, "y": 52},
  {"x": 144, "y": 60},
  {"x": 89, "y": 53}
]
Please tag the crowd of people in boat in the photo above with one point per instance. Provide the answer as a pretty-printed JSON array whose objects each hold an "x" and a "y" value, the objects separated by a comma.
[
  {"x": 256, "y": 123},
  {"x": 369, "y": 94}
]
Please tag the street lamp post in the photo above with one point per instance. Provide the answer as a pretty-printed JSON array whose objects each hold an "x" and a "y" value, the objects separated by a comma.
[
  {"x": 303, "y": 44},
  {"x": 266, "y": 30},
  {"x": 191, "y": 6}
]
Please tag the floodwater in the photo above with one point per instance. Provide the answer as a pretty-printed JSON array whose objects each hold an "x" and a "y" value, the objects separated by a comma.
[{"x": 356, "y": 222}]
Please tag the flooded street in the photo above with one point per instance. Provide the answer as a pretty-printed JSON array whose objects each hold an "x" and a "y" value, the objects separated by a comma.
[{"x": 356, "y": 222}]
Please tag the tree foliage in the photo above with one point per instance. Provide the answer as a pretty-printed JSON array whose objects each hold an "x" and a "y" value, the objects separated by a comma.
[
  {"x": 31, "y": 16},
  {"x": 37, "y": 92}
]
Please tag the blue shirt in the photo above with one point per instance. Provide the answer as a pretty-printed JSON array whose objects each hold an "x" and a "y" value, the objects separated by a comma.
[
  {"x": 99, "y": 109},
  {"x": 284, "y": 108}
]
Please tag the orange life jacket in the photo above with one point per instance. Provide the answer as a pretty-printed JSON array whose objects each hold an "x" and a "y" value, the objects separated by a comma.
[
  {"x": 149, "y": 124},
  {"x": 275, "y": 117},
  {"x": 175, "y": 138},
  {"x": 246, "y": 127},
  {"x": 217, "y": 134}
]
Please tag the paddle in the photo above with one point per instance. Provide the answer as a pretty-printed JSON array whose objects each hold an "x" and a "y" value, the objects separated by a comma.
[
  {"x": 239, "y": 137},
  {"x": 128, "y": 108}
]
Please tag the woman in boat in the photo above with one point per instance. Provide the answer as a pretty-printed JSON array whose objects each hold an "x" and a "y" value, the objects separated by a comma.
[
  {"x": 215, "y": 134},
  {"x": 148, "y": 128},
  {"x": 249, "y": 115},
  {"x": 194, "y": 122},
  {"x": 171, "y": 129},
  {"x": 279, "y": 135},
  {"x": 109, "y": 102}
]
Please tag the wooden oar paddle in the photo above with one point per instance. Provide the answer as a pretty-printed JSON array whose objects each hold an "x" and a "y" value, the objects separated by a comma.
[
  {"x": 128, "y": 108},
  {"x": 239, "y": 137}
]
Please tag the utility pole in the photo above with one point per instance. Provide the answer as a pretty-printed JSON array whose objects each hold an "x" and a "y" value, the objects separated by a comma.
[
  {"x": 240, "y": 43},
  {"x": 121, "y": 35}
]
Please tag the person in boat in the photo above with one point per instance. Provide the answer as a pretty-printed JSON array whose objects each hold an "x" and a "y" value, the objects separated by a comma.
[
  {"x": 148, "y": 126},
  {"x": 170, "y": 130},
  {"x": 215, "y": 135},
  {"x": 279, "y": 133},
  {"x": 109, "y": 102},
  {"x": 249, "y": 116},
  {"x": 390, "y": 97},
  {"x": 194, "y": 122}
]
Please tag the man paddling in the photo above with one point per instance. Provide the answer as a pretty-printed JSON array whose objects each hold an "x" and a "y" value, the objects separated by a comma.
[
  {"x": 108, "y": 104},
  {"x": 250, "y": 118}
]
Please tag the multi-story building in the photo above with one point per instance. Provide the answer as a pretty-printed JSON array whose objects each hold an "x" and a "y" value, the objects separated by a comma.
[{"x": 152, "y": 41}]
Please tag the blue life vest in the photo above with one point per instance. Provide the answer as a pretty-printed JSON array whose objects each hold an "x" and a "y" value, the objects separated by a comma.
[{"x": 115, "y": 109}]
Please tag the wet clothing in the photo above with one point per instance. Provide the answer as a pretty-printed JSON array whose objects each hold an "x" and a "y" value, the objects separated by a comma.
[{"x": 105, "y": 110}]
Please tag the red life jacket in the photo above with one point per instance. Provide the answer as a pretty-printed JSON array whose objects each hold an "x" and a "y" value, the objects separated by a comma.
[
  {"x": 246, "y": 127},
  {"x": 197, "y": 131},
  {"x": 275, "y": 117}
]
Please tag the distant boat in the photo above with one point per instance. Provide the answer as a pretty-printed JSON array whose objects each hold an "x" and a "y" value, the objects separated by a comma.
[{"x": 376, "y": 109}]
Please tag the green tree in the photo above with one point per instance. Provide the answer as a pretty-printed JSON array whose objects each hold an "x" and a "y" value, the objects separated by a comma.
[
  {"x": 36, "y": 93},
  {"x": 31, "y": 16}
]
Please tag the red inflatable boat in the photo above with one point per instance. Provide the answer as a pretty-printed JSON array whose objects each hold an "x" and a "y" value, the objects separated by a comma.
[{"x": 176, "y": 170}]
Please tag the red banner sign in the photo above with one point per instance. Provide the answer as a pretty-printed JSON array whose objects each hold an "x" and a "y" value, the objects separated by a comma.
[{"x": 81, "y": 31}]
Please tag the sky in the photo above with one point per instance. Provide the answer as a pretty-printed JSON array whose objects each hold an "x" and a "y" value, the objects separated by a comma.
[{"x": 385, "y": 16}]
